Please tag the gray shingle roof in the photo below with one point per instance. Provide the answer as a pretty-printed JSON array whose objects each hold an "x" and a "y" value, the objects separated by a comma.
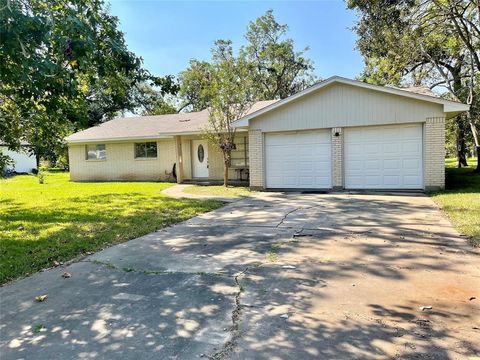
[{"x": 145, "y": 127}]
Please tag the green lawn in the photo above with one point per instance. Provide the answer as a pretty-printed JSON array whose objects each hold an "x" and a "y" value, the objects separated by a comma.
[
  {"x": 461, "y": 198},
  {"x": 219, "y": 191},
  {"x": 59, "y": 220}
]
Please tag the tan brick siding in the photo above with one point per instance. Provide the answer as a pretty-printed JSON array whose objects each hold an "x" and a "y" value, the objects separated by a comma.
[
  {"x": 434, "y": 150},
  {"x": 121, "y": 164},
  {"x": 337, "y": 158},
  {"x": 255, "y": 149},
  {"x": 215, "y": 163}
]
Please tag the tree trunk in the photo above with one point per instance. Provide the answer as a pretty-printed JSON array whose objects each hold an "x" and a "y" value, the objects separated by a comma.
[
  {"x": 476, "y": 140},
  {"x": 225, "y": 174},
  {"x": 461, "y": 144},
  {"x": 460, "y": 121},
  {"x": 227, "y": 157}
]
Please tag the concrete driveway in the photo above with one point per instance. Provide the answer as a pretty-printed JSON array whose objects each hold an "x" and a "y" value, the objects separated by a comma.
[{"x": 337, "y": 276}]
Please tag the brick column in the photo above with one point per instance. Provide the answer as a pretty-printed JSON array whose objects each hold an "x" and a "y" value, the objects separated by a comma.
[
  {"x": 434, "y": 160},
  {"x": 337, "y": 158},
  {"x": 255, "y": 153}
]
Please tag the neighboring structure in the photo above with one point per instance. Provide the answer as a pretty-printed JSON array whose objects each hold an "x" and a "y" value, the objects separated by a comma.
[
  {"x": 24, "y": 161},
  {"x": 339, "y": 133}
]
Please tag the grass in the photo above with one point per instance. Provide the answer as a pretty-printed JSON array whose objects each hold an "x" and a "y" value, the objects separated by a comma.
[
  {"x": 461, "y": 198},
  {"x": 272, "y": 253},
  {"x": 219, "y": 191},
  {"x": 60, "y": 220}
]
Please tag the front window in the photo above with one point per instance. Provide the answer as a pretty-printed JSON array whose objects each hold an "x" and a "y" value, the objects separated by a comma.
[
  {"x": 146, "y": 150},
  {"x": 95, "y": 152}
]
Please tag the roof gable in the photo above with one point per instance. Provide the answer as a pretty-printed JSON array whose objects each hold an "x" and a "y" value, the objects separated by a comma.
[{"x": 450, "y": 108}]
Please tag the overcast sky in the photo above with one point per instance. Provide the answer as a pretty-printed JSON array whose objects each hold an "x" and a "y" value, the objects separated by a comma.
[{"x": 167, "y": 34}]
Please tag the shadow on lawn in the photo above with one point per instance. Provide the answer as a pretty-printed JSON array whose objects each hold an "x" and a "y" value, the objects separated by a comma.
[{"x": 465, "y": 180}]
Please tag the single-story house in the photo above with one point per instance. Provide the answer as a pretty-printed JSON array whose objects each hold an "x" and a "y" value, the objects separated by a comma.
[
  {"x": 336, "y": 134},
  {"x": 23, "y": 160}
]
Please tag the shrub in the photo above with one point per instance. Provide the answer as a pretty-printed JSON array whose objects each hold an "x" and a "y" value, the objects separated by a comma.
[
  {"x": 41, "y": 176},
  {"x": 5, "y": 160}
]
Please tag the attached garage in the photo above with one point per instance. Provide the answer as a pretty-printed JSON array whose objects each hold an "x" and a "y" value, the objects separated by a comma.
[
  {"x": 346, "y": 134},
  {"x": 298, "y": 160},
  {"x": 384, "y": 157}
]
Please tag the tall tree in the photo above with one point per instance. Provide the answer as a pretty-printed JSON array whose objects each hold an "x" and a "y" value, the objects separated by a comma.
[
  {"x": 436, "y": 43},
  {"x": 64, "y": 66},
  {"x": 157, "y": 100},
  {"x": 277, "y": 70},
  {"x": 194, "y": 85},
  {"x": 231, "y": 96}
]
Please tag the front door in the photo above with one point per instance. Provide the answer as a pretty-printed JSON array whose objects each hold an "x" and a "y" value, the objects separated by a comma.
[{"x": 200, "y": 159}]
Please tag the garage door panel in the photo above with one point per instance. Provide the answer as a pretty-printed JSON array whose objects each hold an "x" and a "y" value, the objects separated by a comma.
[
  {"x": 391, "y": 148},
  {"x": 371, "y": 148},
  {"x": 411, "y": 132},
  {"x": 305, "y": 168},
  {"x": 303, "y": 162},
  {"x": 412, "y": 164},
  {"x": 355, "y": 165},
  {"x": 306, "y": 181},
  {"x": 384, "y": 157},
  {"x": 372, "y": 164},
  {"x": 412, "y": 180},
  {"x": 392, "y": 164},
  {"x": 412, "y": 147},
  {"x": 373, "y": 180},
  {"x": 391, "y": 180}
]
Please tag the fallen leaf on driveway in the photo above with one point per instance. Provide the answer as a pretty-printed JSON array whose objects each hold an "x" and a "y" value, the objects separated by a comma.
[
  {"x": 66, "y": 275},
  {"x": 41, "y": 298}
]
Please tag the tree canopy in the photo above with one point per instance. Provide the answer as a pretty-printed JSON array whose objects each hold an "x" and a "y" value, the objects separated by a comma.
[
  {"x": 64, "y": 66},
  {"x": 277, "y": 70}
]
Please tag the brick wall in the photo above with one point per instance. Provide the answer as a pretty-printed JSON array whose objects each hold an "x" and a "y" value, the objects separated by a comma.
[
  {"x": 337, "y": 158},
  {"x": 121, "y": 164},
  {"x": 255, "y": 149},
  {"x": 434, "y": 153}
]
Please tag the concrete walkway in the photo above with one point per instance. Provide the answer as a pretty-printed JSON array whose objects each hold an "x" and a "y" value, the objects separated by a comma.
[
  {"x": 178, "y": 191},
  {"x": 336, "y": 276}
]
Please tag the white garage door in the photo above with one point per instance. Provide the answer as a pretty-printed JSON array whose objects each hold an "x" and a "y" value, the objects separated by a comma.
[
  {"x": 384, "y": 157},
  {"x": 298, "y": 160}
]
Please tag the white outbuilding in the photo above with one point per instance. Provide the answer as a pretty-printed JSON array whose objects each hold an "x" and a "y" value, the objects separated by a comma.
[{"x": 24, "y": 161}]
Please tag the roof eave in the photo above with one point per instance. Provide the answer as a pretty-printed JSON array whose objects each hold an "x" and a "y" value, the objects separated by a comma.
[
  {"x": 117, "y": 139},
  {"x": 160, "y": 136}
]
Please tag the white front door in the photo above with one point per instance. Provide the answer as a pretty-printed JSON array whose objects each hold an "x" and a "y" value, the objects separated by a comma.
[
  {"x": 384, "y": 157},
  {"x": 298, "y": 160},
  {"x": 200, "y": 158}
]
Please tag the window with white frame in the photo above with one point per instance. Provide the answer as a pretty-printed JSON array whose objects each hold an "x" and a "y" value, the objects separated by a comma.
[
  {"x": 95, "y": 152},
  {"x": 146, "y": 150}
]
